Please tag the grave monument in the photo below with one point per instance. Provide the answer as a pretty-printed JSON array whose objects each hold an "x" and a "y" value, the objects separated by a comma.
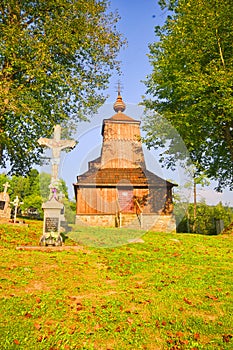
[
  {"x": 5, "y": 210},
  {"x": 54, "y": 208}
]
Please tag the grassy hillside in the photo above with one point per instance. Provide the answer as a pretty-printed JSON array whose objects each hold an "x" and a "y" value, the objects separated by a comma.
[{"x": 174, "y": 291}]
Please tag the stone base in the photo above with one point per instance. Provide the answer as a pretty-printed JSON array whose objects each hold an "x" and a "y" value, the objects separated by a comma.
[
  {"x": 106, "y": 220},
  {"x": 50, "y": 241},
  {"x": 159, "y": 223},
  {"x": 149, "y": 222},
  {"x": 5, "y": 214}
]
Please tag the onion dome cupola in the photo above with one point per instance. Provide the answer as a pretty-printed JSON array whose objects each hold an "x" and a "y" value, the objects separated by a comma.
[{"x": 119, "y": 106}]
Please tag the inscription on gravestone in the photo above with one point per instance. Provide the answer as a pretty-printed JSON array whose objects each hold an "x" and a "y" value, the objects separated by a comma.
[
  {"x": 2, "y": 205},
  {"x": 51, "y": 224}
]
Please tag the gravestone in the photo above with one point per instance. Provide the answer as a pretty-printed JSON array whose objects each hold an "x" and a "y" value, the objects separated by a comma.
[
  {"x": 5, "y": 210},
  {"x": 219, "y": 226},
  {"x": 54, "y": 208},
  {"x": 52, "y": 222}
]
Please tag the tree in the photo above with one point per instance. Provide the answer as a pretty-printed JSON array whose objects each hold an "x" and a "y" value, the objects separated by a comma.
[
  {"x": 33, "y": 177},
  {"x": 186, "y": 192},
  {"x": 56, "y": 57},
  {"x": 207, "y": 218},
  {"x": 19, "y": 186},
  {"x": 43, "y": 183},
  {"x": 3, "y": 179},
  {"x": 191, "y": 84},
  {"x": 33, "y": 201}
]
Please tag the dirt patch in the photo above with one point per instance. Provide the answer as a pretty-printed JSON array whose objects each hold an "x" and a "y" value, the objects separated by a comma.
[
  {"x": 53, "y": 249},
  {"x": 35, "y": 286}
]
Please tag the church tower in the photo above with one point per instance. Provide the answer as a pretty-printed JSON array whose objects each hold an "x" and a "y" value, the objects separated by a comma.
[{"x": 122, "y": 146}]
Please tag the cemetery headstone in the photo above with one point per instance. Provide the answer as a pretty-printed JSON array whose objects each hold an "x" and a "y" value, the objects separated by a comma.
[
  {"x": 219, "y": 226},
  {"x": 5, "y": 210}
]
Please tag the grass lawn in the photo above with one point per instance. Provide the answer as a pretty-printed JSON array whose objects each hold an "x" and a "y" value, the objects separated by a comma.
[{"x": 174, "y": 291}]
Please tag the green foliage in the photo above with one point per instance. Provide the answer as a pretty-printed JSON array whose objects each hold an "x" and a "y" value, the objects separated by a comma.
[
  {"x": 32, "y": 201},
  {"x": 207, "y": 217},
  {"x": 44, "y": 182},
  {"x": 20, "y": 186},
  {"x": 70, "y": 210},
  {"x": 3, "y": 179},
  {"x": 191, "y": 85},
  {"x": 33, "y": 190},
  {"x": 56, "y": 58},
  {"x": 63, "y": 188}
]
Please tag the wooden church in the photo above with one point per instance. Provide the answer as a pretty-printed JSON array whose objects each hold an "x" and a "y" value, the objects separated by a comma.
[{"x": 118, "y": 190}]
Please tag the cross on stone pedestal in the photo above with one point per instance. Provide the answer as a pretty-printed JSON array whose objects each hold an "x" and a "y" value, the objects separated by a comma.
[
  {"x": 6, "y": 185},
  {"x": 53, "y": 208},
  {"x": 56, "y": 145}
]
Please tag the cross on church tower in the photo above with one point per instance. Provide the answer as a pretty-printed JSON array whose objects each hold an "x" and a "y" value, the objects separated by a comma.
[
  {"x": 119, "y": 88},
  {"x": 119, "y": 105},
  {"x": 56, "y": 145}
]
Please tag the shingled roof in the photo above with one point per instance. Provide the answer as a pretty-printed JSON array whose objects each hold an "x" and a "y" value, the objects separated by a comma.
[
  {"x": 136, "y": 177},
  {"x": 122, "y": 117}
]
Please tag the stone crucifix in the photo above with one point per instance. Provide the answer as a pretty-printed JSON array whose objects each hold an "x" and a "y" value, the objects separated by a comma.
[{"x": 56, "y": 145}]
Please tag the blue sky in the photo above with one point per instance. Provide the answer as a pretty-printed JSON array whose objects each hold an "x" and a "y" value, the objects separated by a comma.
[{"x": 138, "y": 19}]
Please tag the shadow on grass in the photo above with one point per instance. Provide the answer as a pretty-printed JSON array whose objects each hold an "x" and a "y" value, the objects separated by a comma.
[{"x": 104, "y": 237}]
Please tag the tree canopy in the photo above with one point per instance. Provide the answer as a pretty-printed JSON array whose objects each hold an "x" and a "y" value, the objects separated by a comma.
[
  {"x": 191, "y": 84},
  {"x": 56, "y": 58}
]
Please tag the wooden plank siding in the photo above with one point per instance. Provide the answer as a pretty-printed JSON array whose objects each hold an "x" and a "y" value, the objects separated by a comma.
[
  {"x": 104, "y": 200},
  {"x": 96, "y": 200}
]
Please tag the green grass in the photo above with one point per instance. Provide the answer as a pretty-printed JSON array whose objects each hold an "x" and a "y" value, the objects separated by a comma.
[
  {"x": 104, "y": 237},
  {"x": 174, "y": 291}
]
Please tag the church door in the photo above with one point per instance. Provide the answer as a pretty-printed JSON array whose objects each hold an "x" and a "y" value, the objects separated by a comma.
[{"x": 125, "y": 200}]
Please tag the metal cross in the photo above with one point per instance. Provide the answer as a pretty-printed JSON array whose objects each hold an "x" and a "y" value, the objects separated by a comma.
[{"x": 16, "y": 203}]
